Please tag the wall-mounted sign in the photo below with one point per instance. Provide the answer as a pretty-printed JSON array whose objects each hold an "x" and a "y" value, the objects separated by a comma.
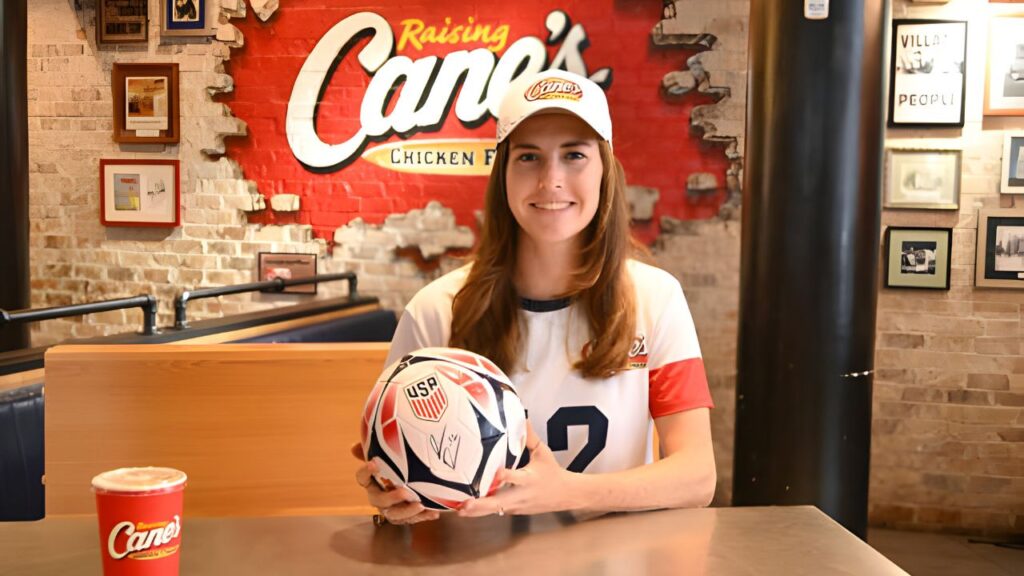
[
  {"x": 816, "y": 9},
  {"x": 926, "y": 75},
  {"x": 429, "y": 86}
]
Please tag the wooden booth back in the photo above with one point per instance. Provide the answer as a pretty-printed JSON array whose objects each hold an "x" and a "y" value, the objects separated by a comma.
[{"x": 260, "y": 430}]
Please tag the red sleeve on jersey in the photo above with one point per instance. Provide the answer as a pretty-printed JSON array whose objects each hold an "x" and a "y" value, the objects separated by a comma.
[{"x": 677, "y": 387}]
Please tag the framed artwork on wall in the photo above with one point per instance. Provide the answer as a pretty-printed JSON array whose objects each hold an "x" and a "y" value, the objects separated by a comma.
[
  {"x": 146, "y": 105},
  {"x": 927, "y": 73},
  {"x": 185, "y": 18},
  {"x": 918, "y": 257},
  {"x": 274, "y": 265},
  {"x": 1000, "y": 262},
  {"x": 1012, "y": 181},
  {"x": 1004, "y": 69},
  {"x": 922, "y": 179},
  {"x": 140, "y": 192},
  {"x": 122, "y": 21}
]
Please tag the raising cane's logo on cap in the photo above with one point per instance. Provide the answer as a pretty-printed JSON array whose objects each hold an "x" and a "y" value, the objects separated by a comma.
[{"x": 554, "y": 89}]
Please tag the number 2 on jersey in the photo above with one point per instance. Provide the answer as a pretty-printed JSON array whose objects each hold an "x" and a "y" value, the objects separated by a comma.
[{"x": 597, "y": 433}]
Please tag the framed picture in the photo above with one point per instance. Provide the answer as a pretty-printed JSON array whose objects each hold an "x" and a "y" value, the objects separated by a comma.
[
  {"x": 1004, "y": 70},
  {"x": 926, "y": 74},
  {"x": 928, "y": 179},
  {"x": 918, "y": 257},
  {"x": 1012, "y": 181},
  {"x": 146, "y": 105},
  {"x": 140, "y": 193},
  {"x": 1000, "y": 262},
  {"x": 122, "y": 21},
  {"x": 185, "y": 18},
  {"x": 288, "y": 267}
]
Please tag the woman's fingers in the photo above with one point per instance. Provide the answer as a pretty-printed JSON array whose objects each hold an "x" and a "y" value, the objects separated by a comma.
[
  {"x": 483, "y": 507},
  {"x": 364, "y": 477},
  {"x": 401, "y": 513},
  {"x": 409, "y": 513},
  {"x": 399, "y": 505},
  {"x": 386, "y": 499}
]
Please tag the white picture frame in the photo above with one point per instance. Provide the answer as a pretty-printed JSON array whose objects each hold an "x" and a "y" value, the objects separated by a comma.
[
  {"x": 1004, "y": 67},
  {"x": 922, "y": 179}
]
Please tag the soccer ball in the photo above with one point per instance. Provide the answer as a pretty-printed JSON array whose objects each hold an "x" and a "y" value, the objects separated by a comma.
[{"x": 443, "y": 421}]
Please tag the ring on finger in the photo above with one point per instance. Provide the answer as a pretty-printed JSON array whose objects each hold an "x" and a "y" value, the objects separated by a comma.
[{"x": 501, "y": 510}]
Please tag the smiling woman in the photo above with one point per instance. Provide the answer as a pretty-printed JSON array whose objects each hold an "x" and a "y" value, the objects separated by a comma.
[
  {"x": 592, "y": 338},
  {"x": 554, "y": 183}
]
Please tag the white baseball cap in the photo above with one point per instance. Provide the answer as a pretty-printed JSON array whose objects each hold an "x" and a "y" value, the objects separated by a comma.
[{"x": 553, "y": 91}]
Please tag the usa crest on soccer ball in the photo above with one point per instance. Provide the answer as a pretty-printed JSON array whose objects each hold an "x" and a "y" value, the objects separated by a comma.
[{"x": 443, "y": 421}]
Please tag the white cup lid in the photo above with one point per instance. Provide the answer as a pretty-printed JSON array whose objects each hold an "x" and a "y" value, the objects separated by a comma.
[{"x": 141, "y": 479}]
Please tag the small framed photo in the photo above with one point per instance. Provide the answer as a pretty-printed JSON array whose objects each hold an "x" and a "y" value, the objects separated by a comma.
[
  {"x": 146, "y": 104},
  {"x": 185, "y": 18},
  {"x": 927, "y": 73},
  {"x": 122, "y": 21},
  {"x": 1004, "y": 70},
  {"x": 273, "y": 265},
  {"x": 1012, "y": 181},
  {"x": 928, "y": 179},
  {"x": 1000, "y": 262},
  {"x": 140, "y": 193},
  {"x": 918, "y": 257}
]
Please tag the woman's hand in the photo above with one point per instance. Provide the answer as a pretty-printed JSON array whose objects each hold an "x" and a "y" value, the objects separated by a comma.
[
  {"x": 398, "y": 505},
  {"x": 542, "y": 486}
]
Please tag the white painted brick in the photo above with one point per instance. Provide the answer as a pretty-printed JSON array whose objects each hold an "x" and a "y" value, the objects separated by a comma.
[
  {"x": 230, "y": 35},
  {"x": 264, "y": 8},
  {"x": 285, "y": 203}
]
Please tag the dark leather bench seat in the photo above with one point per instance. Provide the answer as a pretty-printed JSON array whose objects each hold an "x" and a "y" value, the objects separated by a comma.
[{"x": 21, "y": 453}]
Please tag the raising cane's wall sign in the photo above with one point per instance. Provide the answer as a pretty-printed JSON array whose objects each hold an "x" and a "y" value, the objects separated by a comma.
[{"x": 365, "y": 112}]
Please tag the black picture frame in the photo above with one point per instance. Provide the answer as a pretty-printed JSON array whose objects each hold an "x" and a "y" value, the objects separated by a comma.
[
  {"x": 924, "y": 67},
  {"x": 989, "y": 271},
  {"x": 929, "y": 251}
]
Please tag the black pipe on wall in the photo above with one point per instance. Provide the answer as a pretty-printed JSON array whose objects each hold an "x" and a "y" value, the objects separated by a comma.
[
  {"x": 14, "y": 271},
  {"x": 809, "y": 259}
]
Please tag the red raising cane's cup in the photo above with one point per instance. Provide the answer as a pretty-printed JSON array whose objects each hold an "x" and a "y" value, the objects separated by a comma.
[{"x": 139, "y": 512}]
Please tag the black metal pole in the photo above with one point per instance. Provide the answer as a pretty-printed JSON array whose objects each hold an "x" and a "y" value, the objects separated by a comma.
[
  {"x": 275, "y": 285},
  {"x": 146, "y": 302},
  {"x": 809, "y": 257},
  {"x": 14, "y": 270}
]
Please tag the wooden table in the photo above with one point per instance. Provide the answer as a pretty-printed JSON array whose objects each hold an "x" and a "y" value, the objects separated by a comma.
[{"x": 720, "y": 541}]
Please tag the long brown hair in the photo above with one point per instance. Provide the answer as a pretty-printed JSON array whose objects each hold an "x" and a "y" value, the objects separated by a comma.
[{"x": 485, "y": 312}]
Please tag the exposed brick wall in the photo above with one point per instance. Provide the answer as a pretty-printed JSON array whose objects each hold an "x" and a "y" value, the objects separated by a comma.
[
  {"x": 948, "y": 431},
  {"x": 75, "y": 259}
]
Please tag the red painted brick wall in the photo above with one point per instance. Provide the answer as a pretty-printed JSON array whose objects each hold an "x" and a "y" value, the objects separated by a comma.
[{"x": 653, "y": 137}]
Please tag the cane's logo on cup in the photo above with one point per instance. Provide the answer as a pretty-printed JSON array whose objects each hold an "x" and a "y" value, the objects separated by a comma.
[
  {"x": 554, "y": 89},
  {"x": 142, "y": 541}
]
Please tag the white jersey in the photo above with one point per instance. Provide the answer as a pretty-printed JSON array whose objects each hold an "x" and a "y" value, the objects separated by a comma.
[{"x": 592, "y": 425}]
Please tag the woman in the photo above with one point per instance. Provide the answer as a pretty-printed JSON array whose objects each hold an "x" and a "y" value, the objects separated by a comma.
[{"x": 597, "y": 343}]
